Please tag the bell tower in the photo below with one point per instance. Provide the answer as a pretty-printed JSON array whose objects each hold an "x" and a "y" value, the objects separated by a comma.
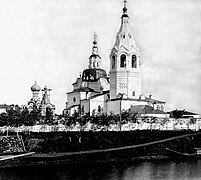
[{"x": 125, "y": 75}]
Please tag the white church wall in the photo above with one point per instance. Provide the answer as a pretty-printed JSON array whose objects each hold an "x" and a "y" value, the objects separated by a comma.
[
  {"x": 85, "y": 105},
  {"x": 73, "y": 110},
  {"x": 83, "y": 95},
  {"x": 73, "y": 99},
  {"x": 95, "y": 103},
  {"x": 113, "y": 107}
]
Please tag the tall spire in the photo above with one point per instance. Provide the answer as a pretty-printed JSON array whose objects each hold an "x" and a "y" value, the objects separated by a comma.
[
  {"x": 125, "y": 38},
  {"x": 95, "y": 59},
  {"x": 46, "y": 94},
  {"x": 95, "y": 47},
  {"x": 125, "y": 8}
]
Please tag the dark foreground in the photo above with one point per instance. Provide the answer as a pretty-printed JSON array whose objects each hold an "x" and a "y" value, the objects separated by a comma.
[
  {"x": 70, "y": 148},
  {"x": 149, "y": 170}
]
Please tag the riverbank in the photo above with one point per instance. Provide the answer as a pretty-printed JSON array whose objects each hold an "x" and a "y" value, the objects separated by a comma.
[
  {"x": 57, "y": 142},
  {"x": 90, "y": 147}
]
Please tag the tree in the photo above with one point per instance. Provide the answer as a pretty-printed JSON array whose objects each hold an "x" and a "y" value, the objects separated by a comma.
[
  {"x": 30, "y": 118},
  {"x": 3, "y": 119},
  {"x": 13, "y": 117}
]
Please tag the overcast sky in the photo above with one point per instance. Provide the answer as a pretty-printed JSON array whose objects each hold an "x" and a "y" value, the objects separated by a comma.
[{"x": 49, "y": 41}]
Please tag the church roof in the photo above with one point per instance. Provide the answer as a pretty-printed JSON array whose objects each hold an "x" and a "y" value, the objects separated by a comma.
[
  {"x": 153, "y": 100},
  {"x": 125, "y": 37},
  {"x": 93, "y": 75},
  {"x": 72, "y": 107},
  {"x": 145, "y": 109},
  {"x": 45, "y": 98},
  {"x": 76, "y": 81},
  {"x": 84, "y": 89},
  {"x": 146, "y": 100},
  {"x": 104, "y": 92},
  {"x": 184, "y": 112}
]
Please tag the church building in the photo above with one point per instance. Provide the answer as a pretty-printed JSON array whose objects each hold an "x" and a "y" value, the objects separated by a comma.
[
  {"x": 43, "y": 105},
  {"x": 96, "y": 92}
]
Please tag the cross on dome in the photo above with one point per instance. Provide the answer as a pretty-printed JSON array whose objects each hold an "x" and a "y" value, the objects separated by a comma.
[
  {"x": 95, "y": 47},
  {"x": 125, "y": 8},
  {"x": 95, "y": 38}
]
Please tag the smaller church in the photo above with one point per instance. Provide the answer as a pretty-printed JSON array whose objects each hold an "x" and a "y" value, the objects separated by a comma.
[
  {"x": 44, "y": 104},
  {"x": 96, "y": 92}
]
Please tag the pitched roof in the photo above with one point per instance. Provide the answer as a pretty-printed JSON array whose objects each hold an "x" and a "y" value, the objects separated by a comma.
[
  {"x": 46, "y": 100},
  {"x": 104, "y": 92},
  {"x": 145, "y": 109},
  {"x": 153, "y": 100},
  {"x": 72, "y": 107},
  {"x": 184, "y": 112},
  {"x": 76, "y": 81},
  {"x": 82, "y": 89},
  {"x": 146, "y": 100}
]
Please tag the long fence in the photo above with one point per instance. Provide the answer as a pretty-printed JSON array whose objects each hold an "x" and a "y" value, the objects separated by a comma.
[{"x": 141, "y": 124}]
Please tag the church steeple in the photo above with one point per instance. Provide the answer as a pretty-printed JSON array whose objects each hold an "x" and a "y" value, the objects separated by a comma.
[
  {"x": 125, "y": 9},
  {"x": 95, "y": 47},
  {"x": 95, "y": 59},
  {"x": 125, "y": 61},
  {"x": 125, "y": 38}
]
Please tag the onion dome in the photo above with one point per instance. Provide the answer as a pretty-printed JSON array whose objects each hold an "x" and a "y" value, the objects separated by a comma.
[{"x": 35, "y": 87}]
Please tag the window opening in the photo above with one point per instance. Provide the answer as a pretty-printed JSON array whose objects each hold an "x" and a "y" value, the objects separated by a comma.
[
  {"x": 134, "y": 61},
  {"x": 123, "y": 60}
]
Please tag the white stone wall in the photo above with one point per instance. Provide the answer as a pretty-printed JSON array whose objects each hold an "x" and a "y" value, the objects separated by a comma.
[
  {"x": 114, "y": 106},
  {"x": 95, "y": 102},
  {"x": 73, "y": 99},
  {"x": 125, "y": 79},
  {"x": 86, "y": 105},
  {"x": 113, "y": 89}
]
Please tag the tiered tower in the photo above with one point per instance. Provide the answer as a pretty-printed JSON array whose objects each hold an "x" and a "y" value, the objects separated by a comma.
[
  {"x": 125, "y": 74},
  {"x": 95, "y": 59}
]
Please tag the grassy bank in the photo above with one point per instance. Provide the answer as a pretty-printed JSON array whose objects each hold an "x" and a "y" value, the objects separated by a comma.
[{"x": 56, "y": 142}]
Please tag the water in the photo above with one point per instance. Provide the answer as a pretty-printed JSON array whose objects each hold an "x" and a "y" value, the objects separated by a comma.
[{"x": 165, "y": 170}]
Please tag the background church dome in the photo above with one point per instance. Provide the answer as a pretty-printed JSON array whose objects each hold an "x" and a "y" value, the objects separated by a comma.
[
  {"x": 93, "y": 74},
  {"x": 35, "y": 87}
]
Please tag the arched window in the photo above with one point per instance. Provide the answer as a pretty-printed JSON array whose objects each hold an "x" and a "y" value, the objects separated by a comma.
[
  {"x": 123, "y": 60},
  {"x": 94, "y": 65},
  {"x": 113, "y": 62},
  {"x": 133, "y": 93},
  {"x": 99, "y": 108},
  {"x": 134, "y": 61},
  {"x": 82, "y": 110}
]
